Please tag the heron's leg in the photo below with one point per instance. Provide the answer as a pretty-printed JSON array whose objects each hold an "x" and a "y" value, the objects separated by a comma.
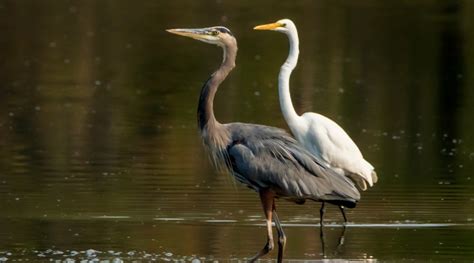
[
  {"x": 323, "y": 241},
  {"x": 343, "y": 214},
  {"x": 321, "y": 214},
  {"x": 281, "y": 235},
  {"x": 267, "y": 199}
]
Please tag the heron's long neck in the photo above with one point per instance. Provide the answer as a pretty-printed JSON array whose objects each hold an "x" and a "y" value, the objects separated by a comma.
[
  {"x": 286, "y": 105},
  {"x": 207, "y": 122}
]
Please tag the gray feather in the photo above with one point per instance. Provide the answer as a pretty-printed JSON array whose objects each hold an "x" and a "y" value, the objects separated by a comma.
[{"x": 267, "y": 157}]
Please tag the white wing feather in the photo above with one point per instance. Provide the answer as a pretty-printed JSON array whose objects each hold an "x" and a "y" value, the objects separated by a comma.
[{"x": 330, "y": 143}]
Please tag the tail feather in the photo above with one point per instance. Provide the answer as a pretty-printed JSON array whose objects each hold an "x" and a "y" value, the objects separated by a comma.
[
  {"x": 358, "y": 180},
  {"x": 375, "y": 178}
]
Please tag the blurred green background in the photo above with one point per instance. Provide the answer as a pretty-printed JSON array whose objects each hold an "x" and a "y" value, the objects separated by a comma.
[{"x": 99, "y": 145}]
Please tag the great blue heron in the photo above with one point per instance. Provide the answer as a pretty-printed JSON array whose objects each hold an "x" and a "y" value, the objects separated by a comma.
[
  {"x": 266, "y": 159},
  {"x": 318, "y": 134}
]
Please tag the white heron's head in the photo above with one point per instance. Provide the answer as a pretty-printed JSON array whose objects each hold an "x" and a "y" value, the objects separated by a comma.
[
  {"x": 283, "y": 25},
  {"x": 217, "y": 35}
]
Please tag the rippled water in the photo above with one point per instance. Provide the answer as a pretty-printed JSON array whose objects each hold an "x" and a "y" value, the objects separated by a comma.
[{"x": 100, "y": 158}]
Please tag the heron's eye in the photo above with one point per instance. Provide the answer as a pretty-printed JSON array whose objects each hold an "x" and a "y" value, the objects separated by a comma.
[{"x": 215, "y": 33}]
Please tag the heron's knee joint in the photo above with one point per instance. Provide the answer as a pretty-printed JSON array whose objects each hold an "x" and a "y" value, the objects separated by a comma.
[
  {"x": 269, "y": 247},
  {"x": 282, "y": 240}
]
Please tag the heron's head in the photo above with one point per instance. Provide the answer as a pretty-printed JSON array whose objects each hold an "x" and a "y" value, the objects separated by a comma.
[
  {"x": 282, "y": 25},
  {"x": 217, "y": 35}
]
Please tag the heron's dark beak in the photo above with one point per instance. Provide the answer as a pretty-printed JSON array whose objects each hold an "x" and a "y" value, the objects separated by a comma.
[
  {"x": 271, "y": 26},
  {"x": 196, "y": 33}
]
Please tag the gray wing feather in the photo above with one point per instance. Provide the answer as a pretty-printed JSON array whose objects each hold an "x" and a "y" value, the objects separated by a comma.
[{"x": 266, "y": 157}]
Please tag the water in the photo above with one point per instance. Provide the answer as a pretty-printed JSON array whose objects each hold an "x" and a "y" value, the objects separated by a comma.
[{"x": 100, "y": 158}]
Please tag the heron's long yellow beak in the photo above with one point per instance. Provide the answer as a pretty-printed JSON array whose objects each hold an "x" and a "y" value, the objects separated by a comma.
[
  {"x": 268, "y": 26},
  {"x": 188, "y": 32}
]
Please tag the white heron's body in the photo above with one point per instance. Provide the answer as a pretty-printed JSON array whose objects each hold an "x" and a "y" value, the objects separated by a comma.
[
  {"x": 330, "y": 143},
  {"x": 320, "y": 135}
]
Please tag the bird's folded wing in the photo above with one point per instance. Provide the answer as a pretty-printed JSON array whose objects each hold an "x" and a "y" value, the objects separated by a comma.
[{"x": 285, "y": 166}]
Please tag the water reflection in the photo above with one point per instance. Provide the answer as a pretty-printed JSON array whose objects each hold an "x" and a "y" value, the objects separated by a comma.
[
  {"x": 129, "y": 240},
  {"x": 99, "y": 150}
]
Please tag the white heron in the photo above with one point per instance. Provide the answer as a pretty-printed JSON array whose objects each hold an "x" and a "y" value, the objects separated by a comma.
[{"x": 320, "y": 135}]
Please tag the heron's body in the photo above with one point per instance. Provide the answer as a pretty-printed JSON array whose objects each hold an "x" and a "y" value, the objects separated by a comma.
[
  {"x": 264, "y": 158},
  {"x": 320, "y": 135}
]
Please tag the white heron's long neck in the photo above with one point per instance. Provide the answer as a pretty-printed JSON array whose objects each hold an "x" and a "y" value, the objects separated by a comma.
[{"x": 286, "y": 105}]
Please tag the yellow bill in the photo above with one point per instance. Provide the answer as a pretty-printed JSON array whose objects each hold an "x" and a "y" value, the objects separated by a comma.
[{"x": 268, "y": 26}]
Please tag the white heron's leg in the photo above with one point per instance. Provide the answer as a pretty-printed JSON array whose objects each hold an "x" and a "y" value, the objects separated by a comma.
[
  {"x": 267, "y": 199},
  {"x": 281, "y": 235},
  {"x": 343, "y": 213},
  {"x": 323, "y": 241},
  {"x": 321, "y": 214},
  {"x": 321, "y": 233}
]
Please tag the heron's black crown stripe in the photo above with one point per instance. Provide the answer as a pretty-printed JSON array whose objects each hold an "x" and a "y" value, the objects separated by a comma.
[{"x": 224, "y": 30}]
